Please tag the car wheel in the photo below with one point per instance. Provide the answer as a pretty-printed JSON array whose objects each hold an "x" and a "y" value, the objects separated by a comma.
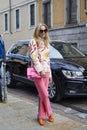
[
  {"x": 54, "y": 93},
  {"x": 9, "y": 79}
]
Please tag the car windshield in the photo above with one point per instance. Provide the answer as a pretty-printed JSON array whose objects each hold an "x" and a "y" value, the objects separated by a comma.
[{"x": 67, "y": 50}]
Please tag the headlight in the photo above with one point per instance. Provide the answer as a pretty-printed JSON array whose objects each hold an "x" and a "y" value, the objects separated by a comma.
[{"x": 72, "y": 74}]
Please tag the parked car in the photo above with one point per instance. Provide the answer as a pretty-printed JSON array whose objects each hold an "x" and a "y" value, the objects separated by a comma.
[{"x": 68, "y": 65}]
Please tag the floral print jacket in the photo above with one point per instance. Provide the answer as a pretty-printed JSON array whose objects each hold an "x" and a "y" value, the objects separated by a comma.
[{"x": 40, "y": 56}]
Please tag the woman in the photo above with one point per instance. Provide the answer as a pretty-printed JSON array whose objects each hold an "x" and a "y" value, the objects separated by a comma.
[{"x": 39, "y": 53}]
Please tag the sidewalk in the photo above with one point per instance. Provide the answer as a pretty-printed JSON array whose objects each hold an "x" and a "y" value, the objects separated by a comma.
[{"x": 18, "y": 114}]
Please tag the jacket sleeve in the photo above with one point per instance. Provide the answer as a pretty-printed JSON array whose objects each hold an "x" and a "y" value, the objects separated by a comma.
[{"x": 33, "y": 51}]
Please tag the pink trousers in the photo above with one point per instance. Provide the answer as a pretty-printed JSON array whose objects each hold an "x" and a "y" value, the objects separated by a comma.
[{"x": 44, "y": 104}]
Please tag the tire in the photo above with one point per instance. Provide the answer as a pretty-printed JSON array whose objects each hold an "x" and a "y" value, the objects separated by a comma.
[
  {"x": 54, "y": 92},
  {"x": 9, "y": 79}
]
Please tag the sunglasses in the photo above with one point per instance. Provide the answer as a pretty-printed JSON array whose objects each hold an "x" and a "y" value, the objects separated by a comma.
[{"x": 45, "y": 30}]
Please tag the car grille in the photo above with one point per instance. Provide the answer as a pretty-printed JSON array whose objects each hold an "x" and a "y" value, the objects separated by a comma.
[{"x": 85, "y": 73}]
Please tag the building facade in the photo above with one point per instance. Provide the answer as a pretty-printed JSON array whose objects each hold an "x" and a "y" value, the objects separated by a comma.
[{"x": 66, "y": 19}]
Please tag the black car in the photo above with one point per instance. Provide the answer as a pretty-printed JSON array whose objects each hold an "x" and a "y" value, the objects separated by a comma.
[{"x": 68, "y": 65}]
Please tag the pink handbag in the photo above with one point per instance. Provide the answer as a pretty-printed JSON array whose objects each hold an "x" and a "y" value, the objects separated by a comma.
[{"x": 32, "y": 73}]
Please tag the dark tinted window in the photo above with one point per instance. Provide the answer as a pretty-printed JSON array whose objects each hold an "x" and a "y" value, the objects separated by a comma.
[
  {"x": 67, "y": 50},
  {"x": 32, "y": 16},
  {"x": 47, "y": 13},
  {"x": 6, "y": 22},
  {"x": 71, "y": 11},
  {"x": 17, "y": 19},
  {"x": 21, "y": 49}
]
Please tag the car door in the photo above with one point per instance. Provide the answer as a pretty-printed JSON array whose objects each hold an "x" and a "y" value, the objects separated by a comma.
[{"x": 18, "y": 60}]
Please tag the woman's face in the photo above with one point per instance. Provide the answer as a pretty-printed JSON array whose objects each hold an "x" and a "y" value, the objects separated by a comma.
[{"x": 43, "y": 32}]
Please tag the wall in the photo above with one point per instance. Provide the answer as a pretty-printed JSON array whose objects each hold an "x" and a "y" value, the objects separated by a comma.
[
  {"x": 58, "y": 13},
  {"x": 76, "y": 33},
  {"x": 24, "y": 32}
]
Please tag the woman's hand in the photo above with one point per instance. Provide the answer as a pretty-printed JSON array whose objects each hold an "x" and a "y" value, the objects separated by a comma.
[
  {"x": 43, "y": 74},
  {"x": 50, "y": 80}
]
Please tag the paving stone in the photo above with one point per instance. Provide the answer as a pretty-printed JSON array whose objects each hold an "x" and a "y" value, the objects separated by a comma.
[{"x": 19, "y": 114}]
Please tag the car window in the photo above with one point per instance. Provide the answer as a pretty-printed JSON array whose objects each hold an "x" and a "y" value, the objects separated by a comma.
[
  {"x": 54, "y": 53},
  {"x": 20, "y": 49},
  {"x": 67, "y": 50}
]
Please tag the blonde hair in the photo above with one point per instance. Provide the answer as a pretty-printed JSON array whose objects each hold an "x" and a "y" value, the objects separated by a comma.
[{"x": 36, "y": 35}]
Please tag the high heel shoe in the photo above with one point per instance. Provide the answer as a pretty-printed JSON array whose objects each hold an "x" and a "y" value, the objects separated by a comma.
[
  {"x": 41, "y": 121},
  {"x": 51, "y": 118}
]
